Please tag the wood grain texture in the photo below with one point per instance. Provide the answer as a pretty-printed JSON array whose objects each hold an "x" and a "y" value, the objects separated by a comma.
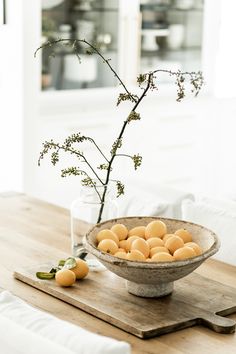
[
  {"x": 34, "y": 232},
  {"x": 104, "y": 295}
]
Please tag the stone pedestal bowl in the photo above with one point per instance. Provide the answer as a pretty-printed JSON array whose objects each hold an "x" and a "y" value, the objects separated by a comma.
[{"x": 153, "y": 279}]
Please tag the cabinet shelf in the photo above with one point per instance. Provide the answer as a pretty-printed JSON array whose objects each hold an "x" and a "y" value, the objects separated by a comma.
[
  {"x": 193, "y": 9},
  {"x": 158, "y": 32},
  {"x": 169, "y": 52},
  {"x": 188, "y": 59},
  {"x": 165, "y": 8},
  {"x": 93, "y": 10}
]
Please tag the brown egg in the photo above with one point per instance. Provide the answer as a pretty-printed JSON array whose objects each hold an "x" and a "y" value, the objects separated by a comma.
[
  {"x": 130, "y": 240},
  {"x": 122, "y": 255},
  {"x": 162, "y": 257},
  {"x": 184, "y": 234},
  {"x": 155, "y": 250},
  {"x": 155, "y": 242},
  {"x": 166, "y": 236},
  {"x": 124, "y": 244},
  {"x": 135, "y": 255},
  {"x": 184, "y": 253},
  {"x": 81, "y": 269},
  {"x": 108, "y": 246},
  {"x": 120, "y": 230},
  {"x": 155, "y": 228},
  {"x": 107, "y": 234},
  {"x": 137, "y": 231},
  {"x": 65, "y": 277},
  {"x": 173, "y": 243},
  {"x": 141, "y": 245},
  {"x": 195, "y": 246}
]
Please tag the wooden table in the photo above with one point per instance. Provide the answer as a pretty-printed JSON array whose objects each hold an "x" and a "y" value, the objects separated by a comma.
[{"x": 32, "y": 231}]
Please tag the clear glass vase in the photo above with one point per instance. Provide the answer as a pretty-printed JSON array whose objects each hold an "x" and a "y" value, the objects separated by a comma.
[{"x": 88, "y": 209}]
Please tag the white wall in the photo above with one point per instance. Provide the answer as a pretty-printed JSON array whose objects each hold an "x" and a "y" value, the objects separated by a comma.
[
  {"x": 31, "y": 69},
  {"x": 11, "y": 117}
]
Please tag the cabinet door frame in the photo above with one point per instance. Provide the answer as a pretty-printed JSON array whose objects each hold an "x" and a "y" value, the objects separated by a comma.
[
  {"x": 210, "y": 42},
  {"x": 127, "y": 58}
]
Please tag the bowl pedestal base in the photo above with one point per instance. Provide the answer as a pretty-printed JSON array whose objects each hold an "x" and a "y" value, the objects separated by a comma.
[{"x": 149, "y": 290}]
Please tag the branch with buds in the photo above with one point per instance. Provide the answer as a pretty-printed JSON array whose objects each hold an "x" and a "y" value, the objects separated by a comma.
[{"x": 146, "y": 83}]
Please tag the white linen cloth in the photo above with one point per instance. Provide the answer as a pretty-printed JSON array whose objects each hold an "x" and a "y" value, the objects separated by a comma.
[
  {"x": 146, "y": 198},
  {"x": 218, "y": 218},
  {"x": 15, "y": 339},
  {"x": 27, "y": 330}
]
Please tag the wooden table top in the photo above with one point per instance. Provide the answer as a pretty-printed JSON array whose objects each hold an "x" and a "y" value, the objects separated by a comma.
[{"x": 32, "y": 231}]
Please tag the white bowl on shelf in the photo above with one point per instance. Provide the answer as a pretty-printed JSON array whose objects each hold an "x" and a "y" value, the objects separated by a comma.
[
  {"x": 48, "y": 4},
  {"x": 175, "y": 37},
  {"x": 184, "y": 4}
]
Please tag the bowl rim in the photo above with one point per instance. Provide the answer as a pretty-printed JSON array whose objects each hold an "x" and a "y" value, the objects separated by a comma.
[{"x": 149, "y": 265}]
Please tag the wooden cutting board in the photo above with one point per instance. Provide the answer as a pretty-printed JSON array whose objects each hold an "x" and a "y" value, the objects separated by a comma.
[{"x": 195, "y": 300}]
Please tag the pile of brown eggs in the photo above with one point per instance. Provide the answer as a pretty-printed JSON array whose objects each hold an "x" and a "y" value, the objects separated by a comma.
[{"x": 149, "y": 243}]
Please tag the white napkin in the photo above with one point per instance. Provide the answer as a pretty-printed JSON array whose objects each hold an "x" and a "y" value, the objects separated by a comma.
[
  {"x": 30, "y": 328},
  {"x": 16, "y": 339}
]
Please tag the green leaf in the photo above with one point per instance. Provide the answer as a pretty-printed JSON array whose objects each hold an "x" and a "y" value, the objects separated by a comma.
[
  {"x": 61, "y": 263},
  {"x": 45, "y": 276},
  {"x": 54, "y": 270},
  {"x": 70, "y": 263}
]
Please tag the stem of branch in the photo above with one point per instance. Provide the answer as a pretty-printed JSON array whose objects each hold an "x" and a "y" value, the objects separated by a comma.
[
  {"x": 120, "y": 137},
  {"x": 93, "y": 141},
  {"x": 49, "y": 44},
  {"x": 81, "y": 156}
]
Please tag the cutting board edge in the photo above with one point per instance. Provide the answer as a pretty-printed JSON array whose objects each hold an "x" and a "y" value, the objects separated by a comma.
[
  {"x": 119, "y": 324},
  {"x": 138, "y": 331}
]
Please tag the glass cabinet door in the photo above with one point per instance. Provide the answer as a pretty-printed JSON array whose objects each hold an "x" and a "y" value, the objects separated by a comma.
[
  {"x": 93, "y": 20},
  {"x": 171, "y": 35}
]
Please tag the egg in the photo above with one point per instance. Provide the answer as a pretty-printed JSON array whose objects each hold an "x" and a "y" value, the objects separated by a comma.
[
  {"x": 173, "y": 243},
  {"x": 149, "y": 260},
  {"x": 165, "y": 238},
  {"x": 120, "y": 254},
  {"x": 81, "y": 269},
  {"x": 137, "y": 231},
  {"x": 108, "y": 246},
  {"x": 135, "y": 255},
  {"x": 155, "y": 242},
  {"x": 155, "y": 250},
  {"x": 184, "y": 253},
  {"x": 155, "y": 228},
  {"x": 141, "y": 245},
  {"x": 107, "y": 234},
  {"x": 130, "y": 240},
  {"x": 184, "y": 234},
  {"x": 195, "y": 246},
  {"x": 65, "y": 277},
  {"x": 162, "y": 257},
  {"x": 120, "y": 230}
]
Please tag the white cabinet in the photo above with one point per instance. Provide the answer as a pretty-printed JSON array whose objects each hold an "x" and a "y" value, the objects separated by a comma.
[
  {"x": 137, "y": 36},
  {"x": 92, "y": 110},
  {"x": 108, "y": 25}
]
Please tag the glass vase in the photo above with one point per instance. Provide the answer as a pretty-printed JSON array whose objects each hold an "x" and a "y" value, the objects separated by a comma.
[{"x": 89, "y": 209}]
